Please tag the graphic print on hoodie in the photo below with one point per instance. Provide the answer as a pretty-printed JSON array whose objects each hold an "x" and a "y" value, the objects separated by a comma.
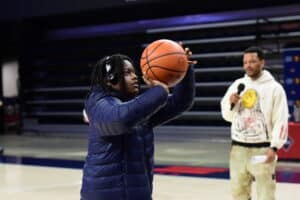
[{"x": 250, "y": 123}]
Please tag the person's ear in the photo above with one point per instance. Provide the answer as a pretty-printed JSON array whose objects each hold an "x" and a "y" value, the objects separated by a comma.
[
  {"x": 108, "y": 83},
  {"x": 113, "y": 86},
  {"x": 263, "y": 62}
]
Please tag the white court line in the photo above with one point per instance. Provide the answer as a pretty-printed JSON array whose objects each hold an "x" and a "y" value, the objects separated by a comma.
[
  {"x": 36, "y": 188},
  {"x": 49, "y": 183}
]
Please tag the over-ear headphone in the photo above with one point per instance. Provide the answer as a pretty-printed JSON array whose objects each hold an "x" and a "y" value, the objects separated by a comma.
[{"x": 109, "y": 71}]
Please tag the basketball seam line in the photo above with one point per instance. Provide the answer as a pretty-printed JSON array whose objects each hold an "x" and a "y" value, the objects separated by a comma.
[
  {"x": 167, "y": 54},
  {"x": 149, "y": 67},
  {"x": 167, "y": 69},
  {"x": 153, "y": 49},
  {"x": 154, "y": 75}
]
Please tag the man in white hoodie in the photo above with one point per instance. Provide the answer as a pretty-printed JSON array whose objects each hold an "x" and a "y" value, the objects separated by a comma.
[{"x": 256, "y": 106}]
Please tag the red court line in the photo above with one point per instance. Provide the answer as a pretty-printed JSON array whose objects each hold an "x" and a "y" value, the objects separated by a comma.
[{"x": 189, "y": 170}]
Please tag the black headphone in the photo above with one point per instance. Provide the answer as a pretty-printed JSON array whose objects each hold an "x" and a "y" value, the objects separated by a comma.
[{"x": 110, "y": 74}]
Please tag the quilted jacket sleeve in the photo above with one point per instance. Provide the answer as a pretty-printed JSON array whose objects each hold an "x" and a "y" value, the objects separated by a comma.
[
  {"x": 109, "y": 116},
  {"x": 179, "y": 101}
]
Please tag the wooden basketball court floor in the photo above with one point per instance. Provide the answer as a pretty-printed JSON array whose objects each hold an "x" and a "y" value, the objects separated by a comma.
[{"x": 42, "y": 168}]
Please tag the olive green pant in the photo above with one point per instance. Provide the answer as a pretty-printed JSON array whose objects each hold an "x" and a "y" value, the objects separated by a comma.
[{"x": 243, "y": 172}]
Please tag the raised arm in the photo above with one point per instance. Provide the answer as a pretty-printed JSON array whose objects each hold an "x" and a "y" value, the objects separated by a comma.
[
  {"x": 113, "y": 117},
  {"x": 179, "y": 101}
]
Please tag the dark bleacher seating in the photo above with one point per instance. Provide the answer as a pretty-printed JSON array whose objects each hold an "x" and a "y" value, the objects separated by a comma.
[{"x": 56, "y": 78}]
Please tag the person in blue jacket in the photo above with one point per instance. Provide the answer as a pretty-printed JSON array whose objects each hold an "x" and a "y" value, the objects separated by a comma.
[{"x": 119, "y": 161}]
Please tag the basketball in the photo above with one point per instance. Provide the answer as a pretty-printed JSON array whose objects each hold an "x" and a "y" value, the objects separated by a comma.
[{"x": 164, "y": 60}]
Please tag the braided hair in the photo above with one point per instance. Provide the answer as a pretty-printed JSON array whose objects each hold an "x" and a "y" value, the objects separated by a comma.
[{"x": 109, "y": 69}]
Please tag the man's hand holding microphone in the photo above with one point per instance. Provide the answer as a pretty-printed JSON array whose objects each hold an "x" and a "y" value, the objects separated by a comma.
[{"x": 235, "y": 97}]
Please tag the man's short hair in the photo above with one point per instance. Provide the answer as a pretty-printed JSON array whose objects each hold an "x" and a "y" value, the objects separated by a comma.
[{"x": 258, "y": 50}]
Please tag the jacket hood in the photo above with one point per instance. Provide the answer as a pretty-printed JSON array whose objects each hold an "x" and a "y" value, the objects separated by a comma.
[{"x": 265, "y": 77}]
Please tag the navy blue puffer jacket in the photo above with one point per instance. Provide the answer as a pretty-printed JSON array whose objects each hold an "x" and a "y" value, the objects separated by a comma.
[{"x": 119, "y": 163}]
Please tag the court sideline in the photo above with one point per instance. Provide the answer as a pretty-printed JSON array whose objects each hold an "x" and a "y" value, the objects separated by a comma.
[{"x": 188, "y": 167}]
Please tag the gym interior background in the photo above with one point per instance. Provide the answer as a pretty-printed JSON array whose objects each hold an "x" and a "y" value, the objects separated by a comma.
[{"x": 49, "y": 48}]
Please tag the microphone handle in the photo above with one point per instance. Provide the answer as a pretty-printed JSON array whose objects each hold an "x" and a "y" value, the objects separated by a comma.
[
  {"x": 240, "y": 89},
  {"x": 232, "y": 104}
]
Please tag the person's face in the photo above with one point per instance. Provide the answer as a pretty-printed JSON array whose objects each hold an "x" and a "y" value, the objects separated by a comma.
[
  {"x": 130, "y": 79},
  {"x": 253, "y": 65}
]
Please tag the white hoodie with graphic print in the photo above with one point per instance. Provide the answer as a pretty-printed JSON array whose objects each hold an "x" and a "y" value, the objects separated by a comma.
[{"x": 261, "y": 115}]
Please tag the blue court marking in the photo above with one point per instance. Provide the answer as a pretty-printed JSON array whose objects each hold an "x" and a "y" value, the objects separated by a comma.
[{"x": 47, "y": 162}]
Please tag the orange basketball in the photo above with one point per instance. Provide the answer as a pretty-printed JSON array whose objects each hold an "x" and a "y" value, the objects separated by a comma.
[{"x": 165, "y": 61}]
